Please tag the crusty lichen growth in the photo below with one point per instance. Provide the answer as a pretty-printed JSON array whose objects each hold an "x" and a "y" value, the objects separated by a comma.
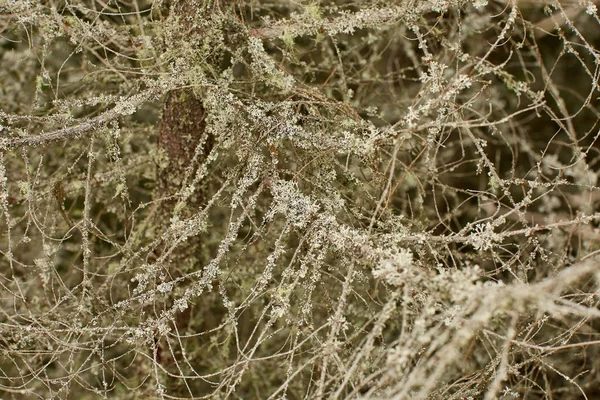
[{"x": 299, "y": 199}]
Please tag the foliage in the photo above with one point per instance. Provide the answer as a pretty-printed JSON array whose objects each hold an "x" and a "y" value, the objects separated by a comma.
[{"x": 299, "y": 199}]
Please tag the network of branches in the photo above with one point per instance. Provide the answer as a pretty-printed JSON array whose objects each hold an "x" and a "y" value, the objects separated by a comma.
[{"x": 299, "y": 199}]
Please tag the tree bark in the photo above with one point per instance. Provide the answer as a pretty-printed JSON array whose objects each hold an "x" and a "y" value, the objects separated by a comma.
[{"x": 181, "y": 130}]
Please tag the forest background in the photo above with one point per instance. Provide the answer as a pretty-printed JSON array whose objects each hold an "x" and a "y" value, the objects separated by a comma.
[{"x": 299, "y": 199}]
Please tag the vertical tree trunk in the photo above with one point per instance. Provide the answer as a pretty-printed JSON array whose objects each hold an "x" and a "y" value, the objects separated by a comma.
[{"x": 181, "y": 130}]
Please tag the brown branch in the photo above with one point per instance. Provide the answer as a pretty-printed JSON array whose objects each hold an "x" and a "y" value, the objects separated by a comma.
[
  {"x": 547, "y": 25},
  {"x": 125, "y": 107},
  {"x": 70, "y": 132},
  {"x": 572, "y": 9},
  {"x": 345, "y": 23}
]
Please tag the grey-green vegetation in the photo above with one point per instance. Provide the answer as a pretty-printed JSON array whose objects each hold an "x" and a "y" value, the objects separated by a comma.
[{"x": 271, "y": 199}]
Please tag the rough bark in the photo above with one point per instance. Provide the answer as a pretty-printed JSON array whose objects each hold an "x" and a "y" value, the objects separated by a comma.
[{"x": 181, "y": 130}]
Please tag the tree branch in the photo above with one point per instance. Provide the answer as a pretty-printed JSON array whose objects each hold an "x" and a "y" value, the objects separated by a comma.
[{"x": 125, "y": 107}]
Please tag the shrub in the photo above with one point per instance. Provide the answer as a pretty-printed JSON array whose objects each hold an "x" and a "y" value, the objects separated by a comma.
[{"x": 272, "y": 199}]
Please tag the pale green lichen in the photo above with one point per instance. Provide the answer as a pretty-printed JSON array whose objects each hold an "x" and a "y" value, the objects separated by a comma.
[{"x": 376, "y": 200}]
